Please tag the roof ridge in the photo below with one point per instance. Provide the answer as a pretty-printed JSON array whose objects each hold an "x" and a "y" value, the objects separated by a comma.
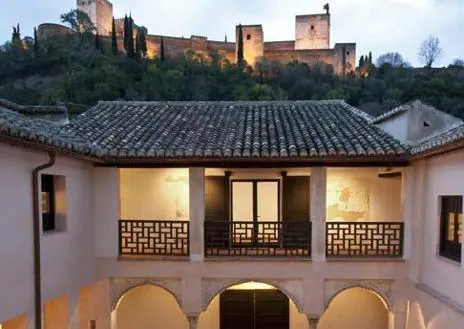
[{"x": 286, "y": 102}]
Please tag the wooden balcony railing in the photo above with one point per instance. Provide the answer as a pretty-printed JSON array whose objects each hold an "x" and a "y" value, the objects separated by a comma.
[
  {"x": 153, "y": 238},
  {"x": 258, "y": 239},
  {"x": 367, "y": 239}
]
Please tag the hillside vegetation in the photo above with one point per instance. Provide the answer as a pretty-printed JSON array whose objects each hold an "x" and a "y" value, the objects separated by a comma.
[{"x": 84, "y": 69}]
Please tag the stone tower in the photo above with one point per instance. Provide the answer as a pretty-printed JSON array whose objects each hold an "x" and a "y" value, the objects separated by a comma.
[
  {"x": 253, "y": 43},
  {"x": 100, "y": 13},
  {"x": 312, "y": 31}
]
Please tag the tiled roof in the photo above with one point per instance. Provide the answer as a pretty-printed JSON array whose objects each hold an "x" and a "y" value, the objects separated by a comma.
[
  {"x": 233, "y": 130},
  {"x": 38, "y": 131},
  {"x": 32, "y": 110},
  {"x": 449, "y": 137}
]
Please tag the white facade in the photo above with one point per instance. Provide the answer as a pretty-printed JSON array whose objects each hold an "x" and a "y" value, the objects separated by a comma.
[{"x": 84, "y": 278}]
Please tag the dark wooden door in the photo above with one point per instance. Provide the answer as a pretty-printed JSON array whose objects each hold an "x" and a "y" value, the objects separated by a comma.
[
  {"x": 237, "y": 309},
  {"x": 271, "y": 310},
  {"x": 254, "y": 309}
]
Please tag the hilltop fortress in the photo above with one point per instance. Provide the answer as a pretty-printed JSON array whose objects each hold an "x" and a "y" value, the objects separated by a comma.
[{"x": 311, "y": 44}]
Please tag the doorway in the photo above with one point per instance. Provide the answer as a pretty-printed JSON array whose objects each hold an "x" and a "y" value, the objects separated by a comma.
[
  {"x": 255, "y": 211},
  {"x": 254, "y": 309}
]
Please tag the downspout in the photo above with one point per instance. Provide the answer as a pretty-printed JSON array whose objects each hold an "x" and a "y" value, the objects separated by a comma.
[{"x": 36, "y": 225}]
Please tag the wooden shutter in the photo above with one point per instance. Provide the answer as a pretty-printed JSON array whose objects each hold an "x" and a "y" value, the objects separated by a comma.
[
  {"x": 295, "y": 198},
  {"x": 217, "y": 198}
]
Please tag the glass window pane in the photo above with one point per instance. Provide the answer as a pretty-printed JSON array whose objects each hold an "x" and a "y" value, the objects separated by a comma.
[
  {"x": 450, "y": 230},
  {"x": 460, "y": 228},
  {"x": 268, "y": 201},
  {"x": 242, "y": 201}
]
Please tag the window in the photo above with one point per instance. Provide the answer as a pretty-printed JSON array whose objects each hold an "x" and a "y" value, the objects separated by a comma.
[
  {"x": 248, "y": 36},
  {"x": 312, "y": 27},
  {"x": 451, "y": 227},
  {"x": 53, "y": 203}
]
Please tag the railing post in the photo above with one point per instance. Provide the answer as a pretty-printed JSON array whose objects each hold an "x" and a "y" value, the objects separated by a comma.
[
  {"x": 318, "y": 212},
  {"x": 197, "y": 212}
]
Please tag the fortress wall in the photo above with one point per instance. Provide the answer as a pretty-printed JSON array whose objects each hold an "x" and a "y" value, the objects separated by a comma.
[
  {"x": 312, "y": 32},
  {"x": 105, "y": 17},
  {"x": 279, "y": 45},
  {"x": 302, "y": 56},
  {"x": 48, "y": 30}
]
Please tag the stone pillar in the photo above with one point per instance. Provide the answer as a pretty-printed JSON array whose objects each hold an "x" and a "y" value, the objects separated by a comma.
[
  {"x": 193, "y": 321},
  {"x": 407, "y": 203},
  {"x": 318, "y": 212},
  {"x": 197, "y": 212},
  {"x": 312, "y": 322}
]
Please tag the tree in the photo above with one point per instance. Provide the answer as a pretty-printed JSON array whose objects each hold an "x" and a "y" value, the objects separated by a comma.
[
  {"x": 240, "y": 58},
  {"x": 225, "y": 38},
  {"x": 78, "y": 21},
  {"x": 16, "y": 38},
  {"x": 138, "y": 45},
  {"x": 393, "y": 58},
  {"x": 361, "y": 61},
  {"x": 126, "y": 34},
  {"x": 430, "y": 51},
  {"x": 36, "y": 42},
  {"x": 370, "y": 58},
  {"x": 162, "y": 58},
  {"x": 97, "y": 41},
  {"x": 130, "y": 38},
  {"x": 114, "y": 39},
  {"x": 143, "y": 42},
  {"x": 458, "y": 62}
]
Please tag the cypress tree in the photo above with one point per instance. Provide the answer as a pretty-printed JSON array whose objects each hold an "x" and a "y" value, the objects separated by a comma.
[
  {"x": 126, "y": 34},
  {"x": 361, "y": 61},
  {"x": 97, "y": 41},
  {"x": 162, "y": 58},
  {"x": 114, "y": 40},
  {"x": 370, "y": 58},
  {"x": 36, "y": 42},
  {"x": 240, "y": 46},
  {"x": 138, "y": 45},
  {"x": 225, "y": 39},
  {"x": 16, "y": 37},
  {"x": 143, "y": 42},
  {"x": 130, "y": 38}
]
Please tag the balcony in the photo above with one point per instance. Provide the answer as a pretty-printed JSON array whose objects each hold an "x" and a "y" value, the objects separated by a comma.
[
  {"x": 153, "y": 238},
  {"x": 364, "y": 240},
  {"x": 258, "y": 239}
]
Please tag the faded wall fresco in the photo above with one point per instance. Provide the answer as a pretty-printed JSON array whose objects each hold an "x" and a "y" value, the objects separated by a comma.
[{"x": 348, "y": 200}]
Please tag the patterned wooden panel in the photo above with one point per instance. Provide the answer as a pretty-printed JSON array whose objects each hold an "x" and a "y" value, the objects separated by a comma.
[
  {"x": 149, "y": 238},
  {"x": 262, "y": 239},
  {"x": 374, "y": 239}
]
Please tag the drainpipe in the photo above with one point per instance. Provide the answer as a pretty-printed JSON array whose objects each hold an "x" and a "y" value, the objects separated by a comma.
[{"x": 36, "y": 224}]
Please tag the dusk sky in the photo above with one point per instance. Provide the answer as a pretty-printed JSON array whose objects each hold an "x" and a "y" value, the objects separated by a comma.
[{"x": 380, "y": 26}]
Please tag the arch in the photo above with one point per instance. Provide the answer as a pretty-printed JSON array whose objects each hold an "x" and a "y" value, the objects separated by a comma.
[
  {"x": 147, "y": 305},
  {"x": 385, "y": 300},
  {"x": 289, "y": 287},
  {"x": 356, "y": 307},
  {"x": 379, "y": 287},
  {"x": 119, "y": 288}
]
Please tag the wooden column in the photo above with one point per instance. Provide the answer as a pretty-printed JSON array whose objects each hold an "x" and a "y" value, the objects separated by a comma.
[
  {"x": 197, "y": 212},
  {"x": 318, "y": 212}
]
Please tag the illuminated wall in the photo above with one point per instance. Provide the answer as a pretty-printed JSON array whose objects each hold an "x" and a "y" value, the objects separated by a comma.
[
  {"x": 20, "y": 322},
  {"x": 359, "y": 195},
  {"x": 355, "y": 308},
  {"x": 154, "y": 194},
  {"x": 149, "y": 307}
]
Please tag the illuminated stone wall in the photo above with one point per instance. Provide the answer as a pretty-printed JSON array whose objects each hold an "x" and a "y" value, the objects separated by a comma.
[
  {"x": 312, "y": 32},
  {"x": 253, "y": 43}
]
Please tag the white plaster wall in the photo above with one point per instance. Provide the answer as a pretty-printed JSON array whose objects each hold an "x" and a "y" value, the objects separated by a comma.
[
  {"x": 67, "y": 257},
  {"x": 444, "y": 176},
  {"x": 359, "y": 195},
  {"x": 355, "y": 308},
  {"x": 149, "y": 307},
  {"x": 154, "y": 194}
]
